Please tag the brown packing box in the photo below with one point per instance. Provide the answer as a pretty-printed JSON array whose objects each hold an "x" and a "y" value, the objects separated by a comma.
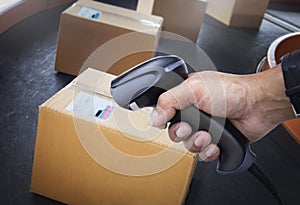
[
  {"x": 182, "y": 17},
  {"x": 92, "y": 27},
  {"x": 114, "y": 158},
  {"x": 238, "y": 13}
]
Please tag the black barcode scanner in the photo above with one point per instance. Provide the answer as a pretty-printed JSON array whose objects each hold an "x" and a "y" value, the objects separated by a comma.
[{"x": 143, "y": 84}]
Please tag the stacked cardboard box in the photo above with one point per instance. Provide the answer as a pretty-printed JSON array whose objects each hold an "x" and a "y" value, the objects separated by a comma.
[
  {"x": 182, "y": 17},
  {"x": 89, "y": 151},
  {"x": 105, "y": 37},
  {"x": 238, "y": 13}
]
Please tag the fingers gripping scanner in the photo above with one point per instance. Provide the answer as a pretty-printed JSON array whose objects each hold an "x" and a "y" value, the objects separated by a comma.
[{"x": 143, "y": 84}]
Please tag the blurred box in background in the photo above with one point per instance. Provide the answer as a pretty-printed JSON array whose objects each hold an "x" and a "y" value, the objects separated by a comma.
[
  {"x": 88, "y": 26},
  {"x": 182, "y": 17},
  {"x": 238, "y": 13},
  {"x": 90, "y": 151}
]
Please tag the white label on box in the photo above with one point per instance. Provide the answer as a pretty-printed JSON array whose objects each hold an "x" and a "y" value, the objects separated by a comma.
[
  {"x": 89, "y": 13},
  {"x": 92, "y": 106}
]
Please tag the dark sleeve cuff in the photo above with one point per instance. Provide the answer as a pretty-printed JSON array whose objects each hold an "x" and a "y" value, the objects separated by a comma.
[{"x": 290, "y": 64}]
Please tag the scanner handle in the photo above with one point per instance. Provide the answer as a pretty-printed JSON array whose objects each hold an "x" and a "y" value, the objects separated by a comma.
[{"x": 235, "y": 153}]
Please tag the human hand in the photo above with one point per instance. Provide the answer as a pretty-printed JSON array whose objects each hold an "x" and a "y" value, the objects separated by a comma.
[{"x": 255, "y": 104}]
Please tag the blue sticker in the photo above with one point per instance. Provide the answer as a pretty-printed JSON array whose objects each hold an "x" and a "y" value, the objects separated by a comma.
[{"x": 89, "y": 13}]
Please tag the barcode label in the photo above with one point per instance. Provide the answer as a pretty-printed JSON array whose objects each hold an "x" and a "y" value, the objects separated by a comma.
[{"x": 91, "y": 106}]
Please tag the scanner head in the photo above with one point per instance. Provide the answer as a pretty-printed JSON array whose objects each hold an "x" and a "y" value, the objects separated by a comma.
[{"x": 142, "y": 85}]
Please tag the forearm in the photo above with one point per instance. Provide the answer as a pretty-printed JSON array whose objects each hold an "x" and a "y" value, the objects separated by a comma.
[{"x": 256, "y": 103}]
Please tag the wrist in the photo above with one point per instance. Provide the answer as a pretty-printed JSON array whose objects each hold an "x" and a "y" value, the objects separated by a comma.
[{"x": 270, "y": 98}]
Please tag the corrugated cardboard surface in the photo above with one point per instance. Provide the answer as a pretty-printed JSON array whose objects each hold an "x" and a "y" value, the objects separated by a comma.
[
  {"x": 79, "y": 37},
  {"x": 79, "y": 160},
  {"x": 239, "y": 13}
]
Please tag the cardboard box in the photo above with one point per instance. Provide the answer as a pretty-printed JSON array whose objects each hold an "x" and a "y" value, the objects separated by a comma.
[
  {"x": 238, "y": 13},
  {"x": 145, "y": 6},
  {"x": 118, "y": 38},
  {"x": 182, "y": 17},
  {"x": 114, "y": 158}
]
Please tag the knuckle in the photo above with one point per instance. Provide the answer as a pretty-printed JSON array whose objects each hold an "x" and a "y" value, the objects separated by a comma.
[{"x": 164, "y": 100}]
